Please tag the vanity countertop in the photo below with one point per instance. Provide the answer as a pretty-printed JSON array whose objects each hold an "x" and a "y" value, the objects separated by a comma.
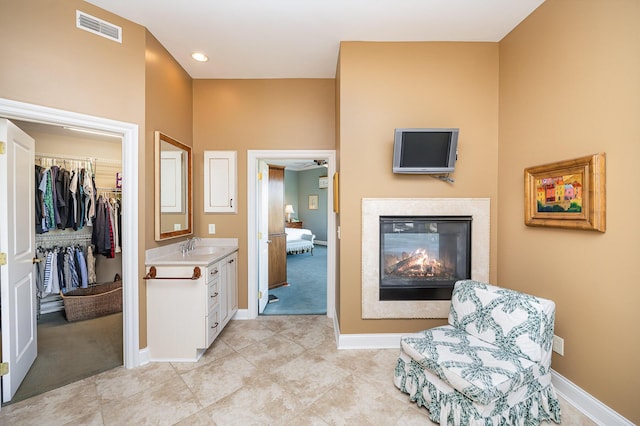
[{"x": 206, "y": 252}]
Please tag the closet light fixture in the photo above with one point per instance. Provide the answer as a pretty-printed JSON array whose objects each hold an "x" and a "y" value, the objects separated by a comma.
[
  {"x": 199, "y": 56},
  {"x": 93, "y": 132}
]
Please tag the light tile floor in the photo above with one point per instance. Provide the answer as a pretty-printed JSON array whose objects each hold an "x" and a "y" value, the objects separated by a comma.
[{"x": 275, "y": 370}]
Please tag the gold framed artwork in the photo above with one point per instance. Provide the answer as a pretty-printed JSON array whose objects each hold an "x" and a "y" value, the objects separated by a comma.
[
  {"x": 313, "y": 202},
  {"x": 336, "y": 193},
  {"x": 567, "y": 194}
]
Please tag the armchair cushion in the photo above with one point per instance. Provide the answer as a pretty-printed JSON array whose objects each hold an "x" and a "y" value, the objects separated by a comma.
[
  {"x": 520, "y": 323},
  {"x": 491, "y": 365},
  {"x": 481, "y": 371}
]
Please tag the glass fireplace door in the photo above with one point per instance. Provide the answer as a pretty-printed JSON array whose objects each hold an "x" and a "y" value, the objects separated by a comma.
[{"x": 422, "y": 257}]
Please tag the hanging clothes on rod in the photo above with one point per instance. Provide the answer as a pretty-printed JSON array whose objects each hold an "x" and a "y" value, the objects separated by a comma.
[
  {"x": 107, "y": 225},
  {"x": 66, "y": 205},
  {"x": 62, "y": 268},
  {"x": 65, "y": 192}
]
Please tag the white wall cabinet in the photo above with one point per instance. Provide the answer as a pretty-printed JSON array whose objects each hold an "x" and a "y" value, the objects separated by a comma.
[
  {"x": 220, "y": 182},
  {"x": 184, "y": 315}
]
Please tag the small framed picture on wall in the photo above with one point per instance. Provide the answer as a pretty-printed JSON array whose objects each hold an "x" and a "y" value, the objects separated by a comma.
[{"x": 313, "y": 202}]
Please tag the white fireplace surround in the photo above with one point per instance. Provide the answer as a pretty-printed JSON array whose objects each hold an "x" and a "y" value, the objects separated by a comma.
[{"x": 372, "y": 208}]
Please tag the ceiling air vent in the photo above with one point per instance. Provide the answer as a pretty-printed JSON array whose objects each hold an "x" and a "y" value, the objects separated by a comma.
[{"x": 98, "y": 26}]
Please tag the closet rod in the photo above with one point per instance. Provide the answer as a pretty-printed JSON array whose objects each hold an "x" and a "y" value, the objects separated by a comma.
[
  {"x": 40, "y": 155},
  {"x": 111, "y": 189}
]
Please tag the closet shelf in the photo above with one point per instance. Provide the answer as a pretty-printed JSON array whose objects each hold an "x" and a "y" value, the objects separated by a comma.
[{"x": 52, "y": 237}]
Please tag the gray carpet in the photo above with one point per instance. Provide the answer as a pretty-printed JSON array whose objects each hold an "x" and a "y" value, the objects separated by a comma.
[
  {"x": 71, "y": 351},
  {"x": 306, "y": 293}
]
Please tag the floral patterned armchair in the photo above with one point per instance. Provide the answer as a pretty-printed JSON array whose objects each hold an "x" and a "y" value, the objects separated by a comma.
[{"x": 491, "y": 365}]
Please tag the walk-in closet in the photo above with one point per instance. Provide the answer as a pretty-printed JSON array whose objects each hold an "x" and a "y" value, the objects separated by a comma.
[{"x": 78, "y": 261}]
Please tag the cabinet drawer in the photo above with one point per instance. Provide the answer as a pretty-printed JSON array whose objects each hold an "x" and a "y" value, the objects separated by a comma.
[
  {"x": 213, "y": 272},
  {"x": 212, "y": 322},
  {"x": 213, "y": 294}
]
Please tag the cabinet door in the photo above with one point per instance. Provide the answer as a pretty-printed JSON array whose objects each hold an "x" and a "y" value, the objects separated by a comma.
[
  {"x": 232, "y": 284},
  {"x": 220, "y": 182},
  {"x": 229, "y": 300},
  {"x": 176, "y": 315},
  {"x": 224, "y": 307}
]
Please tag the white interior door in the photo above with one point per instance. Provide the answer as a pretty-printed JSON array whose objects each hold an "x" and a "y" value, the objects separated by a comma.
[
  {"x": 263, "y": 230},
  {"x": 17, "y": 241}
]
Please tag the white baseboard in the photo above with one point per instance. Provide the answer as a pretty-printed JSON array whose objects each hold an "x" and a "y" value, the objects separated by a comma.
[
  {"x": 144, "y": 357},
  {"x": 574, "y": 395},
  {"x": 242, "y": 314},
  {"x": 369, "y": 341},
  {"x": 586, "y": 403}
]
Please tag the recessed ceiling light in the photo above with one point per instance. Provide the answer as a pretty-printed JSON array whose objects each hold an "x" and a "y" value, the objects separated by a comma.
[{"x": 199, "y": 56}]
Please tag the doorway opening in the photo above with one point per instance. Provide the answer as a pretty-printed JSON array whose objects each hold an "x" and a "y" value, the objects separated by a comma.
[
  {"x": 257, "y": 226},
  {"x": 14, "y": 110},
  {"x": 77, "y": 337},
  {"x": 303, "y": 225}
]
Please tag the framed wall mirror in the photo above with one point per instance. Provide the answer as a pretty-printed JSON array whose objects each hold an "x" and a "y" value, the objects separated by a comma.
[{"x": 173, "y": 190}]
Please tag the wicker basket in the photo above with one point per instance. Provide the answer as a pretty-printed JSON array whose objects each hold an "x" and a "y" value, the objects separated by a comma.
[{"x": 93, "y": 302}]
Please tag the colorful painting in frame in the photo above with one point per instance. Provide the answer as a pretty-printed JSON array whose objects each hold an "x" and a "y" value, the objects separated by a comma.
[{"x": 567, "y": 194}]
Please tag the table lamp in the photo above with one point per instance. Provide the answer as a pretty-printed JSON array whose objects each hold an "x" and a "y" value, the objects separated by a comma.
[{"x": 288, "y": 209}]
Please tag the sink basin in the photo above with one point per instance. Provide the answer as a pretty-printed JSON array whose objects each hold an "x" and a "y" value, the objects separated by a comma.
[
  {"x": 206, "y": 250},
  {"x": 205, "y": 253}
]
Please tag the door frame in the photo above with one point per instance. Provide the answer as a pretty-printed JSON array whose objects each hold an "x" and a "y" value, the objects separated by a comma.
[
  {"x": 253, "y": 157},
  {"x": 29, "y": 112}
]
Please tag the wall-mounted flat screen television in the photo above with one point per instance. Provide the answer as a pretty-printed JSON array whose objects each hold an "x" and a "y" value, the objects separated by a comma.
[{"x": 425, "y": 151}]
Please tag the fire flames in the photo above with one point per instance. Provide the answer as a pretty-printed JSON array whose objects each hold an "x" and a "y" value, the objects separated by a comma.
[{"x": 415, "y": 265}]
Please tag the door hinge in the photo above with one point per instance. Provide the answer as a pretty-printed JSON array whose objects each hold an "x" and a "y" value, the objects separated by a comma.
[
  {"x": 3, "y": 259},
  {"x": 4, "y": 368},
  {"x": 259, "y": 175},
  {"x": 259, "y": 235},
  {"x": 3, "y": 148},
  {"x": 259, "y": 295}
]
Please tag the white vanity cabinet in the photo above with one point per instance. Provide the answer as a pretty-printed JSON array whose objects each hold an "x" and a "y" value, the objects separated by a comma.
[{"x": 188, "y": 305}]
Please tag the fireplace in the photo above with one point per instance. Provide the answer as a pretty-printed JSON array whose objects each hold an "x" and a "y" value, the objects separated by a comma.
[
  {"x": 407, "y": 209},
  {"x": 421, "y": 257}
]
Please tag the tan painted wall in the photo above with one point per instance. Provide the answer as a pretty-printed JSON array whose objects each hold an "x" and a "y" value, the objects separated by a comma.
[
  {"x": 246, "y": 115},
  {"x": 337, "y": 136},
  {"x": 570, "y": 86},
  {"x": 571, "y": 70},
  {"x": 389, "y": 85},
  {"x": 169, "y": 109},
  {"x": 48, "y": 61},
  {"x": 55, "y": 64}
]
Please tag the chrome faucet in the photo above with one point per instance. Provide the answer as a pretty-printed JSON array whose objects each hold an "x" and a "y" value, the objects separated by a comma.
[{"x": 189, "y": 245}]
